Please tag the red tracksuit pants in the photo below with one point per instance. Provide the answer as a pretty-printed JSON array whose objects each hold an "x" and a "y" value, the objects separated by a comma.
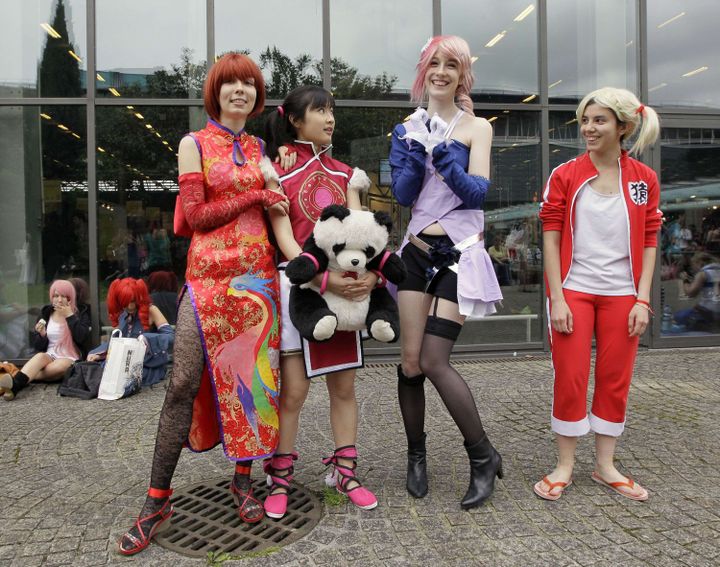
[{"x": 607, "y": 317}]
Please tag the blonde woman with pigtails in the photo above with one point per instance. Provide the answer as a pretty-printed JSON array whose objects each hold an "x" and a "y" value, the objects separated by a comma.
[
  {"x": 600, "y": 220},
  {"x": 440, "y": 164}
]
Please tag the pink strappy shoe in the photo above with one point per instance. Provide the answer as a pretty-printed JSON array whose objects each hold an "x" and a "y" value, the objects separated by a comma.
[
  {"x": 276, "y": 504},
  {"x": 341, "y": 475}
]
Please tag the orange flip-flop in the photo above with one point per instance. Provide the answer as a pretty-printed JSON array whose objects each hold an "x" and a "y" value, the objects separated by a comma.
[
  {"x": 545, "y": 494},
  {"x": 618, "y": 487}
]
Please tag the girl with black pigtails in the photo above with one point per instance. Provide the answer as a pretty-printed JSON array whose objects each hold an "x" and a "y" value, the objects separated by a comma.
[{"x": 304, "y": 125}]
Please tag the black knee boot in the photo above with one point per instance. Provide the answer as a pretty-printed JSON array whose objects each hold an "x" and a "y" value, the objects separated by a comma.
[
  {"x": 412, "y": 405},
  {"x": 11, "y": 386},
  {"x": 417, "y": 483},
  {"x": 485, "y": 464}
]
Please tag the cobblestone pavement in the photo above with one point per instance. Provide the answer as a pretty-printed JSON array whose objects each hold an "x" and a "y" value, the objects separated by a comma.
[{"x": 74, "y": 474}]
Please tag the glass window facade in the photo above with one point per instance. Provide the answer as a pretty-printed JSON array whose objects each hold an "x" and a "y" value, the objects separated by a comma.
[
  {"x": 682, "y": 54},
  {"x": 164, "y": 55},
  {"x": 44, "y": 49},
  {"x": 591, "y": 44},
  {"x": 503, "y": 39},
  {"x": 272, "y": 41},
  {"x": 89, "y": 180}
]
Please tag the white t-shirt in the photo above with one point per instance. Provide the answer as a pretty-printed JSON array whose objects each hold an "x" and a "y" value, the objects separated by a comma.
[
  {"x": 56, "y": 332},
  {"x": 601, "y": 245}
]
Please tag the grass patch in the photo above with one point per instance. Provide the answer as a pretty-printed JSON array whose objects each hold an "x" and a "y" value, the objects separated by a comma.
[
  {"x": 217, "y": 558},
  {"x": 331, "y": 497}
]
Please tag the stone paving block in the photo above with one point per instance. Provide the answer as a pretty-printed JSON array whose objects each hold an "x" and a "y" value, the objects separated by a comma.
[
  {"x": 100, "y": 476},
  {"x": 32, "y": 561}
]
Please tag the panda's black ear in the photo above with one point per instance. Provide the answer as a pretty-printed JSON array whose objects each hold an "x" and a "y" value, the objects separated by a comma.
[
  {"x": 337, "y": 211},
  {"x": 383, "y": 219}
]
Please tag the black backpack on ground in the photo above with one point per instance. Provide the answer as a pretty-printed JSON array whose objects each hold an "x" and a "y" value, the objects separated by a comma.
[{"x": 82, "y": 380}]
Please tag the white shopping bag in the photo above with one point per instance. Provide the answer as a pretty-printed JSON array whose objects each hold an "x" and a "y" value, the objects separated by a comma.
[{"x": 122, "y": 376}]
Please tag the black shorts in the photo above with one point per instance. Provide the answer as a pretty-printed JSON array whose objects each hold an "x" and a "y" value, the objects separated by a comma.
[{"x": 417, "y": 263}]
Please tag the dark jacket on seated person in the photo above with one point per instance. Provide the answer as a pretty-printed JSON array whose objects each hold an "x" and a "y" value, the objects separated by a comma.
[{"x": 80, "y": 328}]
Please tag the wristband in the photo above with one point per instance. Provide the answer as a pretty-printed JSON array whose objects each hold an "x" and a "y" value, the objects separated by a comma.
[
  {"x": 323, "y": 285},
  {"x": 314, "y": 260},
  {"x": 381, "y": 282},
  {"x": 645, "y": 304}
]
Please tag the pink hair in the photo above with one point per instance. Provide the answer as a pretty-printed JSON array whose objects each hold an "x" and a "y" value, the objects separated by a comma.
[
  {"x": 450, "y": 46},
  {"x": 66, "y": 289}
]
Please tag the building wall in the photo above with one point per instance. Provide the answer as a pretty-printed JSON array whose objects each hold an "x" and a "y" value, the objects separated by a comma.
[{"x": 97, "y": 168}]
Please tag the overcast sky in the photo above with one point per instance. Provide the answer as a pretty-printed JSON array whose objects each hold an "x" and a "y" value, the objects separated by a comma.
[{"x": 589, "y": 40}]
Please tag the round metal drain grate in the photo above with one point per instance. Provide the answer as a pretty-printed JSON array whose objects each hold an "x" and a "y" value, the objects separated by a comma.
[{"x": 205, "y": 520}]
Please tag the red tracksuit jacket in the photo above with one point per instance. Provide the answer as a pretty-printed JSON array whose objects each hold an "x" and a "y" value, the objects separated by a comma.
[{"x": 641, "y": 193}]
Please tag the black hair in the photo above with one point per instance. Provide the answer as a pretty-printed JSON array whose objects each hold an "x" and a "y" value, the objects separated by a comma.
[{"x": 278, "y": 128}]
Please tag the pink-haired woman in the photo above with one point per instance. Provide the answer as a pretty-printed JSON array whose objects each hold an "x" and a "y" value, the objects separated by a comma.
[
  {"x": 440, "y": 163},
  {"x": 59, "y": 334}
]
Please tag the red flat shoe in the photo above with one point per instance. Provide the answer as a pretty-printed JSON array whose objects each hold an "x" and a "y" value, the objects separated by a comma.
[
  {"x": 546, "y": 494},
  {"x": 159, "y": 518},
  {"x": 244, "y": 501},
  {"x": 623, "y": 488}
]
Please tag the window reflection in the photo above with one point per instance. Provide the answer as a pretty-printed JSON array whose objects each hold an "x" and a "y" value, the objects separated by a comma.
[
  {"x": 682, "y": 53},
  {"x": 136, "y": 57},
  {"x": 137, "y": 187},
  {"x": 44, "y": 49},
  {"x": 375, "y": 46},
  {"x": 591, "y": 44},
  {"x": 690, "y": 236},
  {"x": 503, "y": 38},
  {"x": 272, "y": 41},
  {"x": 512, "y": 230},
  {"x": 564, "y": 138},
  {"x": 43, "y": 221}
]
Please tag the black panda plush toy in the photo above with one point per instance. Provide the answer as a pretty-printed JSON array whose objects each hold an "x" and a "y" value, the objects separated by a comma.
[{"x": 352, "y": 243}]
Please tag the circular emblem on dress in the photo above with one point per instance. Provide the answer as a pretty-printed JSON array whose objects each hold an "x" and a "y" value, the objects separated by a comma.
[{"x": 317, "y": 192}]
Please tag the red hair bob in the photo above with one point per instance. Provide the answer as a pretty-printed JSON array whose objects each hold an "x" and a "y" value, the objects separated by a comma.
[
  {"x": 231, "y": 67},
  {"x": 122, "y": 293}
]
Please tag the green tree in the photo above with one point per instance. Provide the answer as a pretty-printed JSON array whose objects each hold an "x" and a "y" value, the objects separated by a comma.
[{"x": 59, "y": 76}]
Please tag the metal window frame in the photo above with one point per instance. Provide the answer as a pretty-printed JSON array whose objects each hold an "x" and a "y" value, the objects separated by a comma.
[{"x": 671, "y": 116}]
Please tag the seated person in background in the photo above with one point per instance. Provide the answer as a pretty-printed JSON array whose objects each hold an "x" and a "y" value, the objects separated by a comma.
[
  {"x": 82, "y": 299},
  {"x": 501, "y": 260},
  {"x": 59, "y": 335},
  {"x": 131, "y": 310},
  {"x": 705, "y": 314},
  {"x": 163, "y": 293}
]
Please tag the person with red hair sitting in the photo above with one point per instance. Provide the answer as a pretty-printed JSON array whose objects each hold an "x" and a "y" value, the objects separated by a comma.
[
  {"x": 130, "y": 308},
  {"x": 59, "y": 335}
]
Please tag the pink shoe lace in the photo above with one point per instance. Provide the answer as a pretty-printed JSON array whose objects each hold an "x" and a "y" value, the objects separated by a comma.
[
  {"x": 276, "y": 504},
  {"x": 341, "y": 475}
]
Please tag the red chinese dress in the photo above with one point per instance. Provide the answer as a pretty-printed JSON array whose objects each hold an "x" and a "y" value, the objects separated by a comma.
[{"x": 233, "y": 284}]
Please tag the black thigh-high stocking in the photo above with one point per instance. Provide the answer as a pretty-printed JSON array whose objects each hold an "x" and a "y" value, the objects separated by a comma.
[{"x": 438, "y": 341}]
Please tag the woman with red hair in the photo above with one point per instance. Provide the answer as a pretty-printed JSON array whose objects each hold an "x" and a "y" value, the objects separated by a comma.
[
  {"x": 59, "y": 335},
  {"x": 224, "y": 386},
  {"x": 130, "y": 308}
]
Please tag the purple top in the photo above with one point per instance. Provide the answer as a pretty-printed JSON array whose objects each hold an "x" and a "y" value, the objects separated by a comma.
[{"x": 478, "y": 288}]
